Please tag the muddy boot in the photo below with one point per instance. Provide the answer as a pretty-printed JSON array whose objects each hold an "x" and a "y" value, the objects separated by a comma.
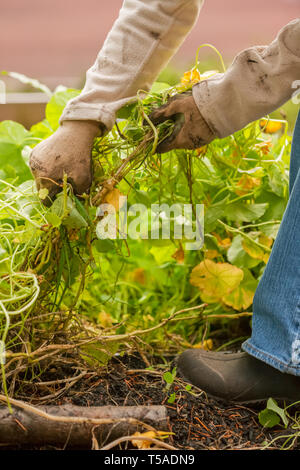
[{"x": 236, "y": 377}]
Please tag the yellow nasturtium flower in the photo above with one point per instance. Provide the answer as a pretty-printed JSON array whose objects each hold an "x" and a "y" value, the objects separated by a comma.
[{"x": 191, "y": 76}]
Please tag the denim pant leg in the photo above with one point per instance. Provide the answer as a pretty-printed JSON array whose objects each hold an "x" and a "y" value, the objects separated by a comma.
[
  {"x": 275, "y": 335},
  {"x": 295, "y": 155}
]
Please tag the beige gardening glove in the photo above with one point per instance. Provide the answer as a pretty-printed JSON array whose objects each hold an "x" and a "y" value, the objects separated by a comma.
[
  {"x": 190, "y": 129},
  {"x": 68, "y": 151}
]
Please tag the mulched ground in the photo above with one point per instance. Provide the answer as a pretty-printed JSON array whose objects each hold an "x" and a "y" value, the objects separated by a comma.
[{"x": 197, "y": 421}]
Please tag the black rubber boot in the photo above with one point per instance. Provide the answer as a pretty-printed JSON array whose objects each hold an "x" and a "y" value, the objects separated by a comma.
[{"x": 236, "y": 377}]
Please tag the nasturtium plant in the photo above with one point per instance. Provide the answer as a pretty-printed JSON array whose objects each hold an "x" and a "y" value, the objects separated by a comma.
[
  {"x": 56, "y": 106},
  {"x": 13, "y": 138},
  {"x": 272, "y": 415},
  {"x": 55, "y": 261}
]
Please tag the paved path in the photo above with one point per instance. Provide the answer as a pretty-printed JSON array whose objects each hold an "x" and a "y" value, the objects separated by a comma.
[{"x": 58, "y": 39}]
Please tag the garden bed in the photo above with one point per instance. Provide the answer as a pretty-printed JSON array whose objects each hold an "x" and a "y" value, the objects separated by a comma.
[
  {"x": 196, "y": 421},
  {"x": 74, "y": 301}
]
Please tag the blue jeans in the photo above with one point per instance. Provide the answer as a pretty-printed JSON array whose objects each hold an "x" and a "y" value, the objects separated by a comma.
[{"x": 275, "y": 335}]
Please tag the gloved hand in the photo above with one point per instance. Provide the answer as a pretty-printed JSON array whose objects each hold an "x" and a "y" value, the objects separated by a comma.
[
  {"x": 190, "y": 130},
  {"x": 68, "y": 151}
]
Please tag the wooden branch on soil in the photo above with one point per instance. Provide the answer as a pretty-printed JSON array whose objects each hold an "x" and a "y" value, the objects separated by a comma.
[{"x": 74, "y": 426}]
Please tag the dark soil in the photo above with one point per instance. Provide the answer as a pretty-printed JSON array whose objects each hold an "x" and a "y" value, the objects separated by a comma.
[{"x": 197, "y": 421}]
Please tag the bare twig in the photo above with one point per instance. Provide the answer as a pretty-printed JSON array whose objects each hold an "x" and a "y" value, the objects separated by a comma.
[{"x": 161, "y": 444}]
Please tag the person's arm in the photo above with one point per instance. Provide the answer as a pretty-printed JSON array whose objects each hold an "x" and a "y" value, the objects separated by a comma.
[
  {"x": 142, "y": 41},
  {"x": 259, "y": 81}
]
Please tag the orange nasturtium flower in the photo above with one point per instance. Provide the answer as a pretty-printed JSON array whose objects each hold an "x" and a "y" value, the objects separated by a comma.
[
  {"x": 201, "y": 151},
  {"x": 179, "y": 255},
  {"x": 139, "y": 275},
  {"x": 222, "y": 242},
  {"x": 246, "y": 184},
  {"x": 264, "y": 147},
  {"x": 270, "y": 126}
]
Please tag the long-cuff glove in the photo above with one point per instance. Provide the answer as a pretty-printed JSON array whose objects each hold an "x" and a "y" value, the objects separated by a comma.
[
  {"x": 190, "y": 129},
  {"x": 67, "y": 151}
]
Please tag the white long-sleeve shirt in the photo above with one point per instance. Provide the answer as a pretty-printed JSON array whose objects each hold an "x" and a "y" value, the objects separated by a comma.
[{"x": 144, "y": 38}]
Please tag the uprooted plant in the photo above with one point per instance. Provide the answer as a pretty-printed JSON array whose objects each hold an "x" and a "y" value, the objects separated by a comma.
[{"x": 69, "y": 294}]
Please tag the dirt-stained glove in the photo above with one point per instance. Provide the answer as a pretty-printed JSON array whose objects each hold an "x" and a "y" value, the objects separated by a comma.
[
  {"x": 68, "y": 151},
  {"x": 190, "y": 130}
]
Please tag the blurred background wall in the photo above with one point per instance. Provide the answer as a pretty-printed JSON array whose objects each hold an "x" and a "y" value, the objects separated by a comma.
[{"x": 57, "y": 40}]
